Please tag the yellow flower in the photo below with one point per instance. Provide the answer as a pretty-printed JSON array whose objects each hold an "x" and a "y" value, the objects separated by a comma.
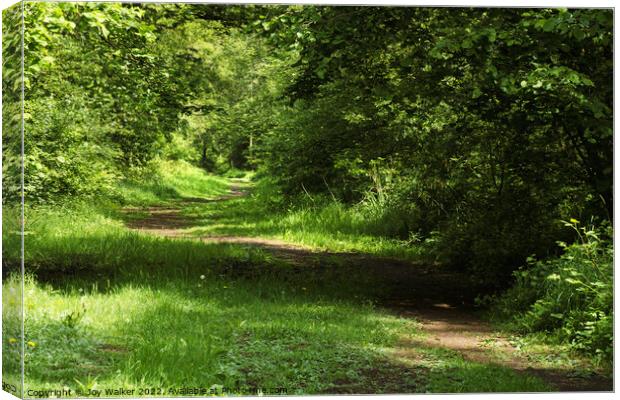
[
  {"x": 12, "y": 340},
  {"x": 31, "y": 343},
  {"x": 574, "y": 221}
]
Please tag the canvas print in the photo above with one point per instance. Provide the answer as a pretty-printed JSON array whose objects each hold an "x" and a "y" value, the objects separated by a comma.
[{"x": 224, "y": 200}]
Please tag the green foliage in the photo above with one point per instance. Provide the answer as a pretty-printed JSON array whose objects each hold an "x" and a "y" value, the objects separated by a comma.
[
  {"x": 102, "y": 50},
  {"x": 110, "y": 87},
  {"x": 240, "y": 100},
  {"x": 463, "y": 109},
  {"x": 438, "y": 121},
  {"x": 571, "y": 295},
  {"x": 11, "y": 104},
  {"x": 67, "y": 150}
]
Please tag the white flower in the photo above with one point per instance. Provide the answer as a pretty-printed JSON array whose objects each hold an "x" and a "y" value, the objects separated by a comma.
[{"x": 202, "y": 277}]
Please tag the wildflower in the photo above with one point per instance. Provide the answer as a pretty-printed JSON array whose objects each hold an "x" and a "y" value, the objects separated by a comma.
[
  {"x": 12, "y": 340},
  {"x": 202, "y": 277},
  {"x": 31, "y": 344}
]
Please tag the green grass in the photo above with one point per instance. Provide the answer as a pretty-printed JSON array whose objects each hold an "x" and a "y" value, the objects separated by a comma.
[
  {"x": 107, "y": 307},
  {"x": 234, "y": 333},
  {"x": 223, "y": 332},
  {"x": 173, "y": 180},
  {"x": 452, "y": 374},
  {"x": 326, "y": 225},
  {"x": 103, "y": 300}
]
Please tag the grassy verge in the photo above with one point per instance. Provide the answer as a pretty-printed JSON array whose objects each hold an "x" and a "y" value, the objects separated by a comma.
[
  {"x": 322, "y": 225},
  {"x": 170, "y": 181}
]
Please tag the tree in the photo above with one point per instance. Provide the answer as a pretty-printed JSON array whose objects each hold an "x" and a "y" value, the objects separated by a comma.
[{"x": 468, "y": 106}]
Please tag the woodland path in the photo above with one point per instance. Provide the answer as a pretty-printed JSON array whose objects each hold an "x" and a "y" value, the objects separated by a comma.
[{"x": 439, "y": 300}]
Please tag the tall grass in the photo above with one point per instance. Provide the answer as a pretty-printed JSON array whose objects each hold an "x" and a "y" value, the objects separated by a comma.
[{"x": 318, "y": 222}]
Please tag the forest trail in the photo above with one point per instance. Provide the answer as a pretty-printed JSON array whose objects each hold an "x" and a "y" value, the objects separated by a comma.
[{"x": 438, "y": 299}]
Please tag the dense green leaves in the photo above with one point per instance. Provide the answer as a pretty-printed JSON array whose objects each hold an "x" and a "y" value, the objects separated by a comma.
[
  {"x": 111, "y": 86},
  {"x": 11, "y": 104},
  {"x": 571, "y": 295},
  {"x": 468, "y": 106}
]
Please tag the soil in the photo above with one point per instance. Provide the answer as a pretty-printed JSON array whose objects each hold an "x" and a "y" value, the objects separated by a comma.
[{"x": 440, "y": 300}]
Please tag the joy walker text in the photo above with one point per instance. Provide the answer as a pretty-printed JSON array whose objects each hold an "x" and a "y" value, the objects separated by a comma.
[{"x": 153, "y": 391}]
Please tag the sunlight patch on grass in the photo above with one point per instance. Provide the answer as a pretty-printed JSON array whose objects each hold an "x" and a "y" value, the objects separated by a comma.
[
  {"x": 174, "y": 180},
  {"x": 329, "y": 228},
  {"x": 211, "y": 331}
]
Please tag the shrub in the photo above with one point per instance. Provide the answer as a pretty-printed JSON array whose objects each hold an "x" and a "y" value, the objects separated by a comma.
[{"x": 570, "y": 295}]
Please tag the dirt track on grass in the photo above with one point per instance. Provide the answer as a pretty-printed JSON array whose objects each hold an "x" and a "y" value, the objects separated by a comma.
[{"x": 440, "y": 300}]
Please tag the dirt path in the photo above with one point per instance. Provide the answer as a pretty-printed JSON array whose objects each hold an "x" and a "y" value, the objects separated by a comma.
[
  {"x": 439, "y": 300},
  {"x": 460, "y": 330}
]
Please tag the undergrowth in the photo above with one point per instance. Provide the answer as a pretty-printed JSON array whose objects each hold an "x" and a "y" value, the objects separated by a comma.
[{"x": 569, "y": 297}]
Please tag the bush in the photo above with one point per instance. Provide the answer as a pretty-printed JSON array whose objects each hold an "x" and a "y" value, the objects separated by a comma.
[
  {"x": 571, "y": 295},
  {"x": 67, "y": 150}
]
